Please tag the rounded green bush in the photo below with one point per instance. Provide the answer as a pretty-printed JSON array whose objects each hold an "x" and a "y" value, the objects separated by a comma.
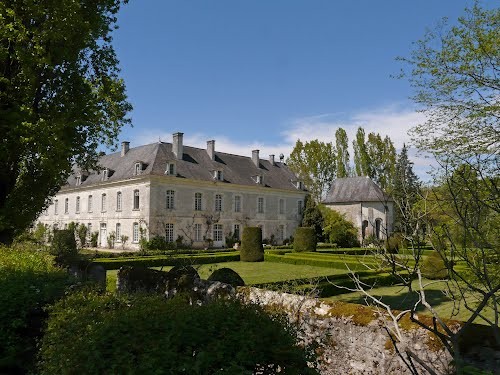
[
  {"x": 251, "y": 245},
  {"x": 228, "y": 276},
  {"x": 109, "y": 334},
  {"x": 305, "y": 239},
  {"x": 63, "y": 246},
  {"x": 434, "y": 267}
]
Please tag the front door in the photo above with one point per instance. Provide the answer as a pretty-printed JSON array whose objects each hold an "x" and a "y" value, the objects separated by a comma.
[{"x": 103, "y": 236}]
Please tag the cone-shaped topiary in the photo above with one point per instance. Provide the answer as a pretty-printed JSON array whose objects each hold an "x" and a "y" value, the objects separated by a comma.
[
  {"x": 227, "y": 276},
  {"x": 251, "y": 245},
  {"x": 304, "y": 239}
]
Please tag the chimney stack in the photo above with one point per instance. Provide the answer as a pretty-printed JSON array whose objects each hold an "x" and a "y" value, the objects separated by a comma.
[
  {"x": 255, "y": 158},
  {"x": 211, "y": 149},
  {"x": 125, "y": 147},
  {"x": 271, "y": 160},
  {"x": 177, "y": 146}
]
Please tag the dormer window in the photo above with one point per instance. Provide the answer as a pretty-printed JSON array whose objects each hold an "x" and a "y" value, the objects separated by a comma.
[
  {"x": 105, "y": 174},
  {"x": 170, "y": 169},
  {"x": 299, "y": 185},
  {"x": 78, "y": 180},
  {"x": 259, "y": 179},
  {"x": 138, "y": 168},
  {"x": 218, "y": 175}
]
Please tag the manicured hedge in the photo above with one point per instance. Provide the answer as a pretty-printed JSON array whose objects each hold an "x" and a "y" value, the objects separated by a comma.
[
  {"x": 251, "y": 245},
  {"x": 29, "y": 281},
  {"x": 228, "y": 276},
  {"x": 149, "y": 253},
  {"x": 318, "y": 262},
  {"x": 135, "y": 334},
  {"x": 304, "y": 239},
  {"x": 158, "y": 261}
]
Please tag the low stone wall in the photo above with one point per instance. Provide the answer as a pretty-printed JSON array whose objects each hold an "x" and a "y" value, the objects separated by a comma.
[{"x": 351, "y": 339}]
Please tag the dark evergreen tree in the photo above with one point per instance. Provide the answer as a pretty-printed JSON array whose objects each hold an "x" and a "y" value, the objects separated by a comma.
[
  {"x": 406, "y": 192},
  {"x": 313, "y": 218}
]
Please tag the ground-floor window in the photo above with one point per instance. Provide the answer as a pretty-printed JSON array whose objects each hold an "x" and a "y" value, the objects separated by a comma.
[
  {"x": 169, "y": 232},
  {"x": 197, "y": 233},
  {"x": 236, "y": 231},
  {"x": 218, "y": 232},
  {"x": 281, "y": 233},
  {"x": 118, "y": 232},
  {"x": 135, "y": 232},
  {"x": 378, "y": 227}
]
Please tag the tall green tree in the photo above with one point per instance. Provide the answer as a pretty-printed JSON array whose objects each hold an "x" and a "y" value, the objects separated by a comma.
[
  {"x": 362, "y": 161},
  {"x": 60, "y": 97},
  {"x": 342, "y": 144},
  {"x": 381, "y": 160},
  {"x": 406, "y": 193},
  {"x": 314, "y": 163}
]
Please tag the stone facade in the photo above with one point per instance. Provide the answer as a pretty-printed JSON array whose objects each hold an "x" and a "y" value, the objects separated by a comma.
[{"x": 174, "y": 191}]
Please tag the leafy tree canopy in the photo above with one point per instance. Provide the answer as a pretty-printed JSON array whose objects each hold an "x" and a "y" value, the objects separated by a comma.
[{"x": 60, "y": 97}]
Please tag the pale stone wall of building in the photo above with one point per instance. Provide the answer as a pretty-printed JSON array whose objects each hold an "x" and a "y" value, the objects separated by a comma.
[
  {"x": 357, "y": 212},
  {"x": 184, "y": 216}
]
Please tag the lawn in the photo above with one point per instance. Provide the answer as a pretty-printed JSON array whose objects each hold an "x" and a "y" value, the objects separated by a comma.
[{"x": 398, "y": 298}]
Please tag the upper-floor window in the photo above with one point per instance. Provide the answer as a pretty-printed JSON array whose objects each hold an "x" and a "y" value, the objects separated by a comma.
[
  {"x": 77, "y": 208},
  {"x": 170, "y": 169},
  {"x": 170, "y": 199},
  {"x": 89, "y": 204},
  {"x": 119, "y": 201},
  {"x": 237, "y": 203},
  {"x": 169, "y": 232},
  {"x": 66, "y": 205},
  {"x": 103, "y": 203},
  {"x": 197, "y": 202},
  {"x": 260, "y": 205},
  {"x": 300, "y": 207},
  {"x": 138, "y": 168},
  {"x": 136, "y": 199},
  {"x": 56, "y": 206},
  {"x": 135, "y": 232},
  {"x": 218, "y": 202},
  {"x": 281, "y": 206}
]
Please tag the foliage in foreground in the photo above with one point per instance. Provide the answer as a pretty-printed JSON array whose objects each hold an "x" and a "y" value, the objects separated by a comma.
[
  {"x": 28, "y": 282},
  {"x": 90, "y": 333},
  {"x": 337, "y": 229}
]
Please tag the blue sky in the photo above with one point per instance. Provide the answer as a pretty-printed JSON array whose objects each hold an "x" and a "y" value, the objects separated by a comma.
[{"x": 260, "y": 74}]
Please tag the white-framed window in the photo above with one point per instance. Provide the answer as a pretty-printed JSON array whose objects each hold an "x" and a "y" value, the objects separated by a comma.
[
  {"x": 169, "y": 232},
  {"x": 135, "y": 232},
  {"x": 170, "y": 169},
  {"x": 103, "y": 202},
  {"x": 78, "y": 180},
  {"x": 282, "y": 206},
  {"x": 105, "y": 174},
  {"x": 119, "y": 201},
  {"x": 89, "y": 204},
  {"x": 137, "y": 168},
  {"x": 118, "y": 232},
  {"x": 218, "y": 175},
  {"x": 136, "y": 199},
  {"x": 66, "y": 206},
  {"x": 197, "y": 233},
  {"x": 170, "y": 202},
  {"x": 236, "y": 231},
  {"x": 281, "y": 233},
  {"x": 237, "y": 203},
  {"x": 300, "y": 207},
  {"x": 197, "y": 202},
  {"x": 260, "y": 205},
  {"x": 218, "y": 203},
  {"x": 259, "y": 179},
  {"x": 77, "y": 205},
  {"x": 218, "y": 232},
  {"x": 56, "y": 206}
]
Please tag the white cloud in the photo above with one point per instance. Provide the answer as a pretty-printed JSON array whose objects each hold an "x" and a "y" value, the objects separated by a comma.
[{"x": 393, "y": 121}]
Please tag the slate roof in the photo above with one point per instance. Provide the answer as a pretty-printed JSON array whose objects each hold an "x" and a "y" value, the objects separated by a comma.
[
  {"x": 195, "y": 165},
  {"x": 355, "y": 189}
]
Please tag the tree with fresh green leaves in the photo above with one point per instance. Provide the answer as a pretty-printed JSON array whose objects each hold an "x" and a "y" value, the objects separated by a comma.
[
  {"x": 362, "y": 161},
  {"x": 405, "y": 192},
  {"x": 312, "y": 217},
  {"x": 60, "y": 98},
  {"x": 337, "y": 229},
  {"x": 382, "y": 160},
  {"x": 342, "y": 145},
  {"x": 314, "y": 163}
]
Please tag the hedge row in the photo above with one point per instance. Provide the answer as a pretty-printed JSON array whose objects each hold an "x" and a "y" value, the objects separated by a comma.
[
  {"x": 158, "y": 261},
  {"x": 338, "y": 264},
  {"x": 149, "y": 253}
]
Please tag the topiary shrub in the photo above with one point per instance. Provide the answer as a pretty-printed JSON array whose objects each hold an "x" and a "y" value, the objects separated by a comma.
[
  {"x": 394, "y": 243},
  {"x": 152, "y": 335},
  {"x": 228, "y": 276},
  {"x": 63, "y": 247},
  {"x": 251, "y": 245},
  {"x": 29, "y": 281},
  {"x": 434, "y": 267},
  {"x": 305, "y": 239}
]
